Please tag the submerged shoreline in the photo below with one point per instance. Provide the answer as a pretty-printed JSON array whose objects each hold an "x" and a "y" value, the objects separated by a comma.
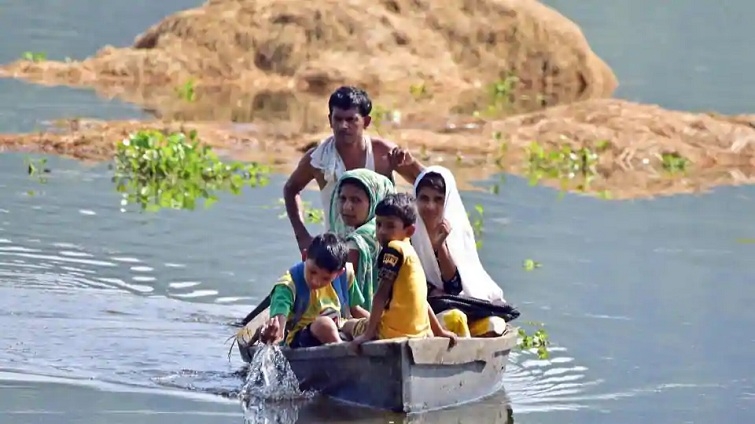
[
  {"x": 508, "y": 102},
  {"x": 655, "y": 152}
]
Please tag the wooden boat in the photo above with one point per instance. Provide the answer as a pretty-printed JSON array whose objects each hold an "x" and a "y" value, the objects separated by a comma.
[{"x": 400, "y": 375}]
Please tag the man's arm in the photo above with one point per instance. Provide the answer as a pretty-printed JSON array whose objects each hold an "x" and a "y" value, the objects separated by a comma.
[
  {"x": 390, "y": 261},
  {"x": 403, "y": 162},
  {"x": 302, "y": 175},
  {"x": 411, "y": 169}
]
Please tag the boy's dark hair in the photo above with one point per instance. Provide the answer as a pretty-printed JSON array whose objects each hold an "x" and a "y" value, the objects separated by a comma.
[
  {"x": 328, "y": 251},
  {"x": 400, "y": 205},
  {"x": 349, "y": 97},
  {"x": 354, "y": 182},
  {"x": 432, "y": 180}
]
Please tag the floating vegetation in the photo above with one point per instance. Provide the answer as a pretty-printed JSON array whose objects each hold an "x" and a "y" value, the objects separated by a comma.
[
  {"x": 156, "y": 170},
  {"x": 562, "y": 163},
  {"x": 37, "y": 168},
  {"x": 312, "y": 215},
  {"x": 500, "y": 97},
  {"x": 674, "y": 162},
  {"x": 531, "y": 265},
  {"x": 537, "y": 341},
  {"x": 383, "y": 115},
  {"x": 477, "y": 219},
  {"x": 34, "y": 56},
  {"x": 419, "y": 91},
  {"x": 187, "y": 91}
]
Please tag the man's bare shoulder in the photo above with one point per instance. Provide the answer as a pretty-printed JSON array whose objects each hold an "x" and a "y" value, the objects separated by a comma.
[
  {"x": 379, "y": 143},
  {"x": 304, "y": 171},
  {"x": 306, "y": 159}
]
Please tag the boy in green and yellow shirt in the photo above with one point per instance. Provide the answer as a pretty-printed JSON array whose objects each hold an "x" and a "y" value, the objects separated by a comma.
[{"x": 310, "y": 302}]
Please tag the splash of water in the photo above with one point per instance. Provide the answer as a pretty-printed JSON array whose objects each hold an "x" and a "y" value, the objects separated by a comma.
[
  {"x": 270, "y": 376},
  {"x": 271, "y": 391}
]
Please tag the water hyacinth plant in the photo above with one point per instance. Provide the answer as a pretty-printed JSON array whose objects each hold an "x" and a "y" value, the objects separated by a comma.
[{"x": 155, "y": 170}]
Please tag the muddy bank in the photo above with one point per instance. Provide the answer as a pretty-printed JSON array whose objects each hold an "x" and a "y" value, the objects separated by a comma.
[
  {"x": 632, "y": 144},
  {"x": 441, "y": 55}
]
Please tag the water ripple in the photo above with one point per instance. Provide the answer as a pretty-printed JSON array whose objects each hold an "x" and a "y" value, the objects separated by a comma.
[
  {"x": 536, "y": 385},
  {"x": 68, "y": 266},
  {"x": 128, "y": 339}
]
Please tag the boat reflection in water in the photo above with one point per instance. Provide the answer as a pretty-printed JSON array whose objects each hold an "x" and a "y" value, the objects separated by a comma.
[{"x": 493, "y": 410}]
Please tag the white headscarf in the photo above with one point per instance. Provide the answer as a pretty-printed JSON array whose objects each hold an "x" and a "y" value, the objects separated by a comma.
[{"x": 475, "y": 281}]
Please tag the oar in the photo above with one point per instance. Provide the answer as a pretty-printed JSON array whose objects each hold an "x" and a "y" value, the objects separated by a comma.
[{"x": 256, "y": 311}]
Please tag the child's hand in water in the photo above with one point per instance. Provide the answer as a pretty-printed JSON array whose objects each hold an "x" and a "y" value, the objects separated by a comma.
[{"x": 272, "y": 333}]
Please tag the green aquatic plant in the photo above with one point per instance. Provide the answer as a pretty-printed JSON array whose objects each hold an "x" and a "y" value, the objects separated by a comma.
[
  {"x": 312, "y": 215},
  {"x": 419, "y": 91},
  {"x": 477, "y": 219},
  {"x": 500, "y": 159},
  {"x": 187, "y": 91},
  {"x": 423, "y": 154},
  {"x": 562, "y": 163},
  {"x": 500, "y": 96},
  {"x": 605, "y": 195},
  {"x": 501, "y": 91},
  {"x": 34, "y": 56},
  {"x": 531, "y": 265},
  {"x": 155, "y": 170},
  {"x": 37, "y": 169},
  {"x": 382, "y": 115},
  {"x": 673, "y": 162},
  {"x": 503, "y": 149},
  {"x": 538, "y": 340},
  {"x": 565, "y": 163}
]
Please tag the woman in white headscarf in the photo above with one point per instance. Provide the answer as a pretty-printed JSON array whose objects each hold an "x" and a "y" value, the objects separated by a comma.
[{"x": 445, "y": 243}]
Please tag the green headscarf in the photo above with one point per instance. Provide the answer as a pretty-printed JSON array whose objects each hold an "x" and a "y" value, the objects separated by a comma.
[{"x": 378, "y": 186}]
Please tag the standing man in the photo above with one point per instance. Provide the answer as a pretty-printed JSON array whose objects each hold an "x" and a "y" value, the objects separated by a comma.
[{"x": 348, "y": 148}]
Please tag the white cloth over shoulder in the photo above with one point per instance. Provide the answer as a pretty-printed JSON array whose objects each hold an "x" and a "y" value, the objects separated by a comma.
[
  {"x": 325, "y": 158},
  {"x": 475, "y": 281}
]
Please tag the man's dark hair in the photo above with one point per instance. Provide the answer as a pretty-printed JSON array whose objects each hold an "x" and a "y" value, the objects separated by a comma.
[
  {"x": 349, "y": 97},
  {"x": 432, "y": 180},
  {"x": 328, "y": 251},
  {"x": 400, "y": 205}
]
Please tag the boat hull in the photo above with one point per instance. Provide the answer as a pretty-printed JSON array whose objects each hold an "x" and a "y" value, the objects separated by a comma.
[{"x": 401, "y": 375}]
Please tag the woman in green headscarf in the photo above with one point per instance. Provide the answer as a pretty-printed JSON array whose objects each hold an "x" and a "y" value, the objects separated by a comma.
[{"x": 352, "y": 216}]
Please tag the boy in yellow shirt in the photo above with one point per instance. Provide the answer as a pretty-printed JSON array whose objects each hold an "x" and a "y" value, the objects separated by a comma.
[
  {"x": 400, "y": 307},
  {"x": 310, "y": 301}
]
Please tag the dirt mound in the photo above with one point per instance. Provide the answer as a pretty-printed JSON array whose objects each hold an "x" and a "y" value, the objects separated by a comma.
[
  {"x": 720, "y": 150},
  {"x": 384, "y": 46},
  {"x": 638, "y": 134}
]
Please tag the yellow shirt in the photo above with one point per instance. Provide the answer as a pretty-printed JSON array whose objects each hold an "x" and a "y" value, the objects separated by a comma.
[{"x": 406, "y": 312}]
